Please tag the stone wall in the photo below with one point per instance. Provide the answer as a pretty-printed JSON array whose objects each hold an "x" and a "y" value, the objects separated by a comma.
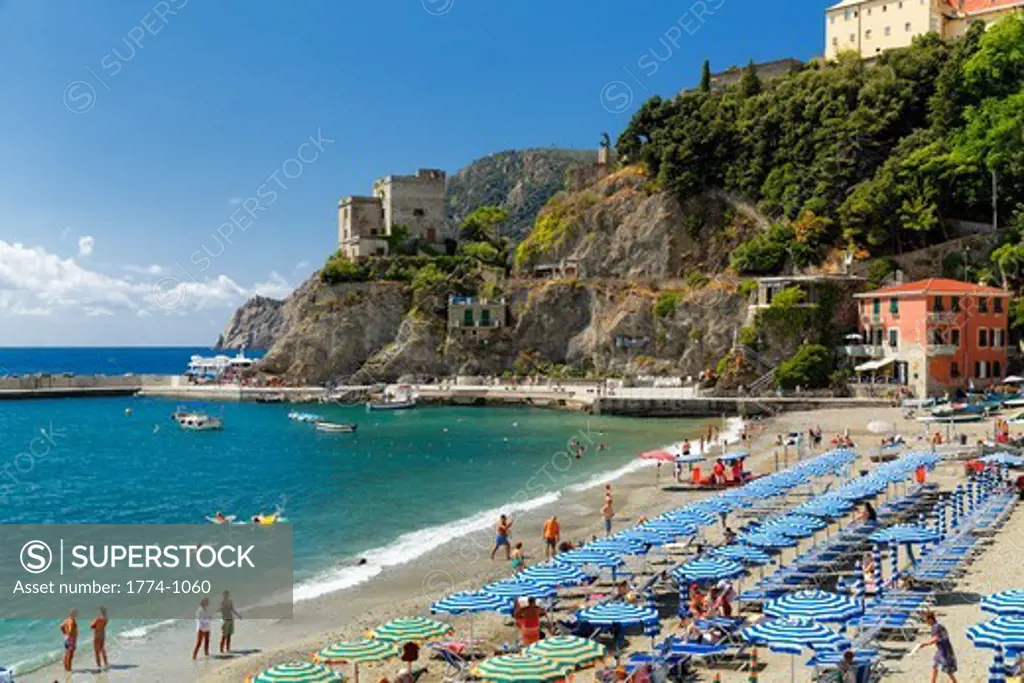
[{"x": 416, "y": 202}]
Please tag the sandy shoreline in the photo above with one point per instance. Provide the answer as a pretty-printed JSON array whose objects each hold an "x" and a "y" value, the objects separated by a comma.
[{"x": 462, "y": 563}]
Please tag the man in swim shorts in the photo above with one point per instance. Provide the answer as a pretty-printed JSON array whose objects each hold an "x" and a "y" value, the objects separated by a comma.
[
  {"x": 69, "y": 630},
  {"x": 501, "y": 532},
  {"x": 552, "y": 533},
  {"x": 227, "y": 615}
]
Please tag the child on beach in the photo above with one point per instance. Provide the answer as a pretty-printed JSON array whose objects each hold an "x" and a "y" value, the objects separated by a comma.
[
  {"x": 99, "y": 639},
  {"x": 518, "y": 563},
  {"x": 69, "y": 630}
]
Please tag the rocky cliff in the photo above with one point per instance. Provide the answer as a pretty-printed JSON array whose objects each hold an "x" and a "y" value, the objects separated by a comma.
[
  {"x": 638, "y": 309},
  {"x": 519, "y": 181},
  {"x": 256, "y": 325}
]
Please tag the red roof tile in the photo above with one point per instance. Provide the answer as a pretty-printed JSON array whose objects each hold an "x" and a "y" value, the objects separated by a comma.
[
  {"x": 935, "y": 285},
  {"x": 976, "y": 6}
]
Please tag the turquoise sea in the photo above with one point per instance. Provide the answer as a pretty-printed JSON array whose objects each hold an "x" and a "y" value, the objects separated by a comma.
[{"x": 403, "y": 483}]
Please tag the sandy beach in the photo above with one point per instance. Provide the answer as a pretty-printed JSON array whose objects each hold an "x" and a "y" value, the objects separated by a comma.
[{"x": 463, "y": 563}]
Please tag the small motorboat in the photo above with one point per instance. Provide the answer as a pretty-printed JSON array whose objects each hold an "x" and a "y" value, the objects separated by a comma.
[
  {"x": 335, "y": 427},
  {"x": 392, "y": 405},
  {"x": 399, "y": 398},
  {"x": 304, "y": 417},
  {"x": 197, "y": 422}
]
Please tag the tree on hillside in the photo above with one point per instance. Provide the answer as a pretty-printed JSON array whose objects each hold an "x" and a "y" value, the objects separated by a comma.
[
  {"x": 481, "y": 232},
  {"x": 750, "y": 83},
  {"x": 705, "y": 76}
]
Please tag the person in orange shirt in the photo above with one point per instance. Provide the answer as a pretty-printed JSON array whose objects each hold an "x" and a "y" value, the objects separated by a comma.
[
  {"x": 552, "y": 534},
  {"x": 99, "y": 639},
  {"x": 69, "y": 629}
]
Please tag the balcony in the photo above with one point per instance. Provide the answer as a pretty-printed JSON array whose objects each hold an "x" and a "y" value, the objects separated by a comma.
[
  {"x": 942, "y": 316},
  {"x": 862, "y": 351},
  {"x": 942, "y": 349}
]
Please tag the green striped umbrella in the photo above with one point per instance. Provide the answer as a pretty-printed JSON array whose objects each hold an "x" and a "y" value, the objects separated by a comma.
[
  {"x": 569, "y": 650},
  {"x": 298, "y": 672},
  {"x": 410, "y": 629},
  {"x": 524, "y": 668},
  {"x": 356, "y": 651}
]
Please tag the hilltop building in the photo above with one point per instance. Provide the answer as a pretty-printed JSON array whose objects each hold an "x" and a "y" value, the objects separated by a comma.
[
  {"x": 414, "y": 201},
  {"x": 869, "y": 27},
  {"x": 933, "y": 335}
]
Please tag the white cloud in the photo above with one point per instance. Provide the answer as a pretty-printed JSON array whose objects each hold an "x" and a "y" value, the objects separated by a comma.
[
  {"x": 85, "y": 245},
  {"x": 151, "y": 269},
  {"x": 34, "y": 281}
]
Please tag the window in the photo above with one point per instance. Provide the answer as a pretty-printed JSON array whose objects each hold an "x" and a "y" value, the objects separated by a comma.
[
  {"x": 938, "y": 305},
  {"x": 884, "y": 8},
  {"x": 876, "y": 306},
  {"x": 835, "y": 41},
  {"x": 431, "y": 234},
  {"x": 996, "y": 369},
  {"x": 977, "y": 369},
  {"x": 853, "y": 37},
  {"x": 983, "y": 337},
  {"x": 894, "y": 338},
  {"x": 954, "y": 337},
  {"x": 899, "y": 5},
  {"x": 954, "y": 369},
  {"x": 832, "y": 19},
  {"x": 954, "y": 304},
  {"x": 982, "y": 305},
  {"x": 847, "y": 15},
  {"x": 999, "y": 338},
  {"x": 906, "y": 27},
  {"x": 467, "y": 317},
  {"x": 937, "y": 337},
  {"x": 997, "y": 304},
  {"x": 419, "y": 213},
  {"x": 485, "y": 317},
  {"x": 867, "y": 34},
  {"x": 894, "y": 306},
  {"x": 869, "y": 11},
  {"x": 888, "y": 31}
]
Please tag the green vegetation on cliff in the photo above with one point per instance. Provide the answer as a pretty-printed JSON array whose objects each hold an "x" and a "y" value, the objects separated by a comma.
[{"x": 877, "y": 156}]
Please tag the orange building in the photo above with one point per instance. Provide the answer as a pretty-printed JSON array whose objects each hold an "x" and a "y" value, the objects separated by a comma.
[{"x": 934, "y": 335}]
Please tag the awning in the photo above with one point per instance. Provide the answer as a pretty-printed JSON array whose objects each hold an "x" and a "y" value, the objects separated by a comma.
[{"x": 873, "y": 364}]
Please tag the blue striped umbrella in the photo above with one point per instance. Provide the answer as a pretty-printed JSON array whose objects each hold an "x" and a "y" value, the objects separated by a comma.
[
  {"x": 648, "y": 536},
  {"x": 743, "y": 553},
  {"x": 674, "y": 528},
  {"x": 555, "y": 574},
  {"x": 734, "y": 455},
  {"x": 768, "y": 540},
  {"x": 1003, "y": 460},
  {"x": 620, "y": 614},
  {"x": 786, "y": 527},
  {"x": 708, "y": 567},
  {"x": 717, "y": 504},
  {"x": 818, "y": 605},
  {"x": 792, "y": 636},
  {"x": 514, "y": 589},
  {"x": 584, "y": 556},
  {"x": 824, "y": 507},
  {"x": 697, "y": 516},
  {"x": 905, "y": 533},
  {"x": 1005, "y": 603},
  {"x": 619, "y": 546},
  {"x": 468, "y": 602},
  {"x": 999, "y": 634}
]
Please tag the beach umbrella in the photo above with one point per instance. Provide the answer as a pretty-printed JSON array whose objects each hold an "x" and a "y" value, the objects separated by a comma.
[
  {"x": 620, "y": 614},
  {"x": 688, "y": 458},
  {"x": 905, "y": 533},
  {"x": 717, "y": 504},
  {"x": 734, "y": 455},
  {"x": 817, "y": 605},
  {"x": 555, "y": 574},
  {"x": 674, "y": 527},
  {"x": 792, "y": 636},
  {"x": 514, "y": 589},
  {"x": 659, "y": 455},
  {"x": 879, "y": 427},
  {"x": 824, "y": 507},
  {"x": 1005, "y": 603},
  {"x": 708, "y": 567},
  {"x": 357, "y": 651},
  {"x": 570, "y": 651},
  {"x": 648, "y": 536},
  {"x": 584, "y": 556},
  {"x": 298, "y": 672},
  {"x": 408, "y": 629},
  {"x": 619, "y": 546},
  {"x": 743, "y": 553},
  {"x": 519, "y": 668},
  {"x": 468, "y": 602},
  {"x": 999, "y": 634},
  {"x": 695, "y": 515},
  {"x": 1002, "y": 460},
  {"x": 768, "y": 540}
]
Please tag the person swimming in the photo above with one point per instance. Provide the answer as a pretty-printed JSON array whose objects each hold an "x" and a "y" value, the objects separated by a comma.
[{"x": 220, "y": 517}]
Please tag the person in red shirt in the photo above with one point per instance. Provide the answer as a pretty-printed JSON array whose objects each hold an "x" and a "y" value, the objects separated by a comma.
[
  {"x": 737, "y": 471},
  {"x": 719, "y": 471},
  {"x": 1020, "y": 486}
]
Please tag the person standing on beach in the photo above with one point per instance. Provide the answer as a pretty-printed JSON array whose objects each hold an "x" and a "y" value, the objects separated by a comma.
[
  {"x": 944, "y": 658},
  {"x": 202, "y": 628},
  {"x": 552, "y": 534},
  {"x": 69, "y": 631},
  {"x": 99, "y": 639},
  {"x": 227, "y": 615},
  {"x": 607, "y": 511},
  {"x": 501, "y": 533}
]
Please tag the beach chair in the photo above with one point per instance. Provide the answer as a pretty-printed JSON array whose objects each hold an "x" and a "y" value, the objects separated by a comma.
[{"x": 456, "y": 666}]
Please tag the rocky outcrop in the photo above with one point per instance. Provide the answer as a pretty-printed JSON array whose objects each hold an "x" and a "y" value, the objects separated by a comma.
[
  {"x": 623, "y": 227},
  {"x": 256, "y": 325},
  {"x": 519, "y": 181}
]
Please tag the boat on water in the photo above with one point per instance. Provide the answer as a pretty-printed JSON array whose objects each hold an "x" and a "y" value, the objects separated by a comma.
[
  {"x": 335, "y": 427},
  {"x": 952, "y": 418},
  {"x": 197, "y": 422},
  {"x": 399, "y": 398},
  {"x": 218, "y": 366},
  {"x": 304, "y": 417}
]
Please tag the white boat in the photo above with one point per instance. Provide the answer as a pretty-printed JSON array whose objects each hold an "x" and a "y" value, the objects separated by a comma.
[
  {"x": 952, "y": 418},
  {"x": 400, "y": 398},
  {"x": 197, "y": 422},
  {"x": 213, "y": 367},
  {"x": 304, "y": 417},
  {"x": 335, "y": 427}
]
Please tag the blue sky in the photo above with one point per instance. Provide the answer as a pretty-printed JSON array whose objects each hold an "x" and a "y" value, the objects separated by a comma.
[{"x": 133, "y": 131}]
